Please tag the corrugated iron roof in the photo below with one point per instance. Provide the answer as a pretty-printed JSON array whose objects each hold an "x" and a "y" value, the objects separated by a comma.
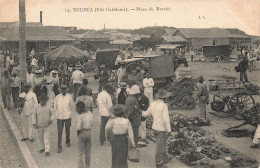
[
  {"x": 122, "y": 41},
  {"x": 41, "y": 33},
  {"x": 174, "y": 39},
  {"x": 94, "y": 35},
  {"x": 170, "y": 32},
  {"x": 204, "y": 33}
]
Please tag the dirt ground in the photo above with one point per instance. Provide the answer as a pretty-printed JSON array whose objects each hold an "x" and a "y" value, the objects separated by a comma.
[{"x": 216, "y": 71}]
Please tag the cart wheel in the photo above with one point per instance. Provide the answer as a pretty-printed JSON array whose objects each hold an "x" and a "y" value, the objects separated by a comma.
[
  {"x": 238, "y": 103},
  {"x": 188, "y": 102},
  {"x": 130, "y": 67}
]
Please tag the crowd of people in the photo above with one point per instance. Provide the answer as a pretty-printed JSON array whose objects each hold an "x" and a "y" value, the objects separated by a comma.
[{"x": 123, "y": 109}]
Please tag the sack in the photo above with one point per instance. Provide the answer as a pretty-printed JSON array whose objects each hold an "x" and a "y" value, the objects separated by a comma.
[
  {"x": 133, "y": 155},
  {"x": 237, "y": 69}
]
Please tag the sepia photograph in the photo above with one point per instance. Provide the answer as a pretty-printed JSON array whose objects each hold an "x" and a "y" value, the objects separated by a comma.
[{"x": 130, "y": 84}]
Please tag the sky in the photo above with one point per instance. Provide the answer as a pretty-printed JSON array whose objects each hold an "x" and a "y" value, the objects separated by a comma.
[{"x": 242, "y": 14}]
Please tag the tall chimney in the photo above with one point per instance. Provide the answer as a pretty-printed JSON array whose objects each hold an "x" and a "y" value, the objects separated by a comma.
[{"x": 41, "y": 17}]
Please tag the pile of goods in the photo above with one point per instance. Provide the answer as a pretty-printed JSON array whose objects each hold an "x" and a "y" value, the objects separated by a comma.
[{"x": 196, "y": 147}]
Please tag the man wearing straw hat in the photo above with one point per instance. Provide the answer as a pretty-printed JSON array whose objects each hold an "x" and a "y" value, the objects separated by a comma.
[
  {"x": 161, "y": 127},
  {"x": 63, "y": 105},
  {"x": 27, "y": 111},
  {"x": 77, "y": 80}
]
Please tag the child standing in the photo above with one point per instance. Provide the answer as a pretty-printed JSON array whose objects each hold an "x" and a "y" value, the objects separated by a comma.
[
  {"x": 42, "y": 119},
  {"x": 84, "y": 134}
]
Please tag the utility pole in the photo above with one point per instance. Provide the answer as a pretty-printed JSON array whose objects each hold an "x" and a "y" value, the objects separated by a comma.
[{"x": 22, "y": 41}]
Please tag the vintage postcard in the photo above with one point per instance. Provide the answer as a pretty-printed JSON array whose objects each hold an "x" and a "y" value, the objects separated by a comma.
[{"x": 128, "y": 83}]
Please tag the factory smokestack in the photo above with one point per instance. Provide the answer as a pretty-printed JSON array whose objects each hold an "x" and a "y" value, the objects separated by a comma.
[{"x": 41, "y": 17}]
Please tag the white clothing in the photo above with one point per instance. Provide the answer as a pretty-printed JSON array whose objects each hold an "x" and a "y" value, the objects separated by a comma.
[
  {"x": 63, "y": 106},
  {"x": 104, "y": 103},
  {"x": 34, "y": 62},
  {"x": 161, "y": 119},
  {"x": 44, "y": 138},
  {"x": 148, "y": 85},
  {"x": 27, "y": 126},
  {"x": 84, "y": 121},
  {"x": 257, "y": 135},
  {"x": 30, "y": 103},
  {"x": 7, "y": 61},
  {"x": 29, "y": 78},
  {"x": 77, "y": 77}
]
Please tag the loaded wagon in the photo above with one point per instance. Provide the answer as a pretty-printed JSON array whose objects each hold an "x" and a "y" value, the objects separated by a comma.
[
  {"x": 233, "y": 94},
  {"x": 216, "y": 53},
  {"x": 108, "y": 58}
]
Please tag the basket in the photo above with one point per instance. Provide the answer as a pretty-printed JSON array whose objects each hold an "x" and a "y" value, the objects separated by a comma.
[{"x": 133, "y": 155}]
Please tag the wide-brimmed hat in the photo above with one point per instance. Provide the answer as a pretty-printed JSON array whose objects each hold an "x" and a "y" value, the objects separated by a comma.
[
  {"x": 134, "y": 90},
  {"x": 63, "y": 87},
  {"x": 123, "y": 85},
  {"x": 118, "y": 109},
  {"x": 38, "y": 71},
  {"x": 200, "y": 78},
  {"x": 43, "y": 97},
  {"x": 54, "y": 72},
  {"x": 162, "y": 94},
  {"x": 77, "y": 66}
]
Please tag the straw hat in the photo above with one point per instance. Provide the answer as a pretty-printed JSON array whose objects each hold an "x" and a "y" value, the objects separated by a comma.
[
  {"x": 38, "y": 71},
  {"x": 134, "y": 90},
  {"x": 54, "y": 72},
  {"x": 77, "y": 65},
  {"x": 63, "y": 87},
  {"x": 122, "y": 85},
  {"x": 162, "y": 94}
]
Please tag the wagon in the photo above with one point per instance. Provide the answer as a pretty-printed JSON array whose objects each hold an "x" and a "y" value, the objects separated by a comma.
[
  {"x": 182, "y": 92},
  {"x": 215, "y": 53},
  {"x": 233, "y": 94},
  {"x": 160, "y": 67},
  {"x": 108, "y": 58}
]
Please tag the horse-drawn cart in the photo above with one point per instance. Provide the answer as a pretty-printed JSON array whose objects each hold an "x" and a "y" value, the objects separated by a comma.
[{"x": 231, "y": 93}]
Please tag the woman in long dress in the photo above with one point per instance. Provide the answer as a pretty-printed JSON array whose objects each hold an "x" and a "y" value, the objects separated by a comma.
[{"x": 121, "y": 129}]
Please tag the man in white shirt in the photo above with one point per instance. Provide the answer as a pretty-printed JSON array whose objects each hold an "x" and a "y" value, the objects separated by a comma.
[
  {"x": 63, "y": 106},
  {"x": 148, "y": 87},
  {"x": 77, "y": 80},
  {"x": 121, "y": 72},
  {"x": 161, "y": 127},
  {"x": 104, "y": 102},
  {"x": 30, "y": 103}
]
